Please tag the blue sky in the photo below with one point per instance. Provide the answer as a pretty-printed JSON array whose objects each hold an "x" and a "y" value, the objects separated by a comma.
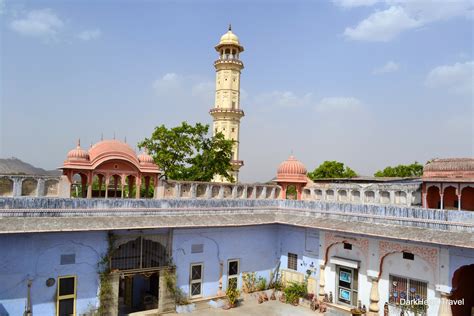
[{"x": 366, "y": 82}]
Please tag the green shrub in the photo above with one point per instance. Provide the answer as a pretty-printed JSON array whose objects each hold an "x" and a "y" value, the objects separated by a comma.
[
  {"x": 250, "y": 280},
  {"x": 232, "y": 295},
  {"x": 294, "y": 291},
  {"x": 261, "y": 284}
]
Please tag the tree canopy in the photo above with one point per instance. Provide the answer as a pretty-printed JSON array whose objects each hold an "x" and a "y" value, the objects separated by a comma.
[
  {"x": 332, "y": 169},
  {"x": 186, "y": 152},
  {"x": 413, "y": 170}
]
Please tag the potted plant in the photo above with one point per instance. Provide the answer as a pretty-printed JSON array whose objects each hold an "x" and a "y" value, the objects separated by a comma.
[
  {"x": 232, "y": 294},
  {"x": 357, "y": 311}
]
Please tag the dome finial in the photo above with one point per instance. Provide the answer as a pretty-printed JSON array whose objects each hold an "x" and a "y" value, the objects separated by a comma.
[
  {"x": 78, "y": 142},
  {"x": 230, "y": 27}
]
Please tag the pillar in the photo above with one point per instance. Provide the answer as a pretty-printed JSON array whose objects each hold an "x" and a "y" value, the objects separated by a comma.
[
  {"x": 123, "y": 178},
  {"x": 442, "y": 201},
  {"x": 374, "y": 297},
  {"x": 110, "y": 301},
  {"x": 138, "y": 186},
  {"x": 444, "y": 307},
  {"x": 107, "y": 182},
  {"x": 459, "y": 202},
  {"x": 322, "y": 282},
  {"x": 166, "y": 301}
]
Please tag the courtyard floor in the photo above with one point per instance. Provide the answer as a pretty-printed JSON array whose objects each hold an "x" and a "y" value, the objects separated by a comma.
[{"x": 252, "y": 308}]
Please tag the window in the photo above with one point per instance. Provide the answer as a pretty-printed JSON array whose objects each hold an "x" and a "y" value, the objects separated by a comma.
[
  {"x": 195, "y": 283},
  {"x": 292, "y": 261},
  {"x": 408, "y": 289},
  {"x": 233, "y": 273},
  {"x": 68, "y": 259},
  {"x": 347, "y": 284},
  {"x": 197, "y": 248},
  {"x": 66, "y": 296},
  {"x": 347, "y": 246},
  {"x": 408, "y": 256}
]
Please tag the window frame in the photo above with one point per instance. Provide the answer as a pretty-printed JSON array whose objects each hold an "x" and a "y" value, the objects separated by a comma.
[
  {"x": 233, "y": 276},
  {"x": 66, "y": 297},
  {"x": 288, "y": 261},
  {"x": 354, "y": 289},
  {"x": 408, "y": 283},
  {"x": 191, "y": 281}
]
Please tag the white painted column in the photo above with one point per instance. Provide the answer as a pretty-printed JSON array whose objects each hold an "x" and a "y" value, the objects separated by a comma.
[
  {"x": 442, "y": 201},
  {"x": 459, "y": 201}
]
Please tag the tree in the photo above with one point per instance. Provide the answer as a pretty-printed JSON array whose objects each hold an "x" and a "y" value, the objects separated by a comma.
[
  {"x": 413, "y": 170},
  {"x": 186, "y": 153},
  {"x": 332, "y": 169}
]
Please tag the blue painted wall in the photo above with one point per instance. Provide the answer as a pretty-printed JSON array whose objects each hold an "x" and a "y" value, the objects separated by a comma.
[
  {"x": 37, "y": 257},
  {"x": 459, "y": 257},
  {"x": 302, "y": 242},
  {"x": 258, "y": 248}
]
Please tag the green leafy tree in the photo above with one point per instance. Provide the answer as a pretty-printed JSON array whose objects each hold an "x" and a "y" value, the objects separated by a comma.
[
  {"x": 413, "y": 170},
  {"x": 332, "y": 169},
  {"x": 186, "y": 152}
]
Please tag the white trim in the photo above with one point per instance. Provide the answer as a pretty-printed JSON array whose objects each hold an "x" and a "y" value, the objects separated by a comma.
[{"x": 345, "y": 262}]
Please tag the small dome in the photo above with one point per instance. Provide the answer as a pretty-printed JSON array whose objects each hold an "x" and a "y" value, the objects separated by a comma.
[
  {"x": 229, "y": 38},
  {"x": 78, "y": 153},
  {"x": 292, "y": 166},
  {"x": 292, "y": 170},
  {"x": 145, "y": 158}
]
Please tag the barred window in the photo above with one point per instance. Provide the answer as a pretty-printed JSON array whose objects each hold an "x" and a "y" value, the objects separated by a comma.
[
  {"x": 407, "y": 289},
  {"x": 292, "y": 261}
]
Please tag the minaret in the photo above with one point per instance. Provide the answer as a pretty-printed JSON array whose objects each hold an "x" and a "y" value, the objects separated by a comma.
[{"x": 226, "y": 113}]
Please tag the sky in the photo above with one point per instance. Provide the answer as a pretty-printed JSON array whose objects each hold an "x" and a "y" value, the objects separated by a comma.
[{"x": 365, "y": 82}]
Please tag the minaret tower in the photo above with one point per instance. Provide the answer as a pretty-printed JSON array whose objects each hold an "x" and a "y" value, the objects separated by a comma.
[{"x": 226, "y": 113}]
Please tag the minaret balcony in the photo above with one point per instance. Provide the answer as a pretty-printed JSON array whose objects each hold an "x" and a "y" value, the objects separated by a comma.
[
  {"x": 237, "y": 163},
  {"x": 230, "y": 112},
  {"x": 228, "y": 60}
]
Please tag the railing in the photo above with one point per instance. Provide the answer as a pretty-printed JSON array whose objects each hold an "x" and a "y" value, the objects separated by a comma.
[{"x": 373, "y": 214}]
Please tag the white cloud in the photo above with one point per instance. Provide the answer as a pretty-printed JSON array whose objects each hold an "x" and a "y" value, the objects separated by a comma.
[
  {"x": 282, "y": 99},
  {"x": 382, "y": 26},
  {"x": 390, "y": 66},
  {"x": 402, "y": 15},
  {"x": 354, "y": 3},
  {"x": 42, "y": 23},
  {"x": 89, "y": 35},
  {"x": 331, "y": 104},
  {"x": 457, "y": 78}
]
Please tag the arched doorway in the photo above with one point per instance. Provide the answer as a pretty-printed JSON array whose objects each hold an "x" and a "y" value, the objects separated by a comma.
[
  {"x": 450, "y": 198},
  {"x": 139, "y": 261},
  {"x": 114, "y": 189},
  {"x": 6, "y": 187},
  {"x": 98, "y": 186},
  {"x": 79, "y": 185},
  {"x": 291, "y": 192},
  {"x": 463, "y": 289},
  {"x": 433, "y": 197},
  {"x": 467, "y": 199}
]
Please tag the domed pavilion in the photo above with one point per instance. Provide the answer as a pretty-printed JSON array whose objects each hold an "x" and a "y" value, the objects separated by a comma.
[
  {"x": 110, "y": 168},
  {"x": 291, "y": 176}
]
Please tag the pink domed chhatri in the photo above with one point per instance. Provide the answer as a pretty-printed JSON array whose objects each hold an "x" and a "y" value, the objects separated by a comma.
[
  {"x": 145, "y": 158},
  {"x": 78, "y": 153},
  {"x": 111, "y": 161},
  {"x": 292, "y": 172}
]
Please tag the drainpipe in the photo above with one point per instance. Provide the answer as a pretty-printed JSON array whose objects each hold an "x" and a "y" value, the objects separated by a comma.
[{"x": 28, "y": 309}]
